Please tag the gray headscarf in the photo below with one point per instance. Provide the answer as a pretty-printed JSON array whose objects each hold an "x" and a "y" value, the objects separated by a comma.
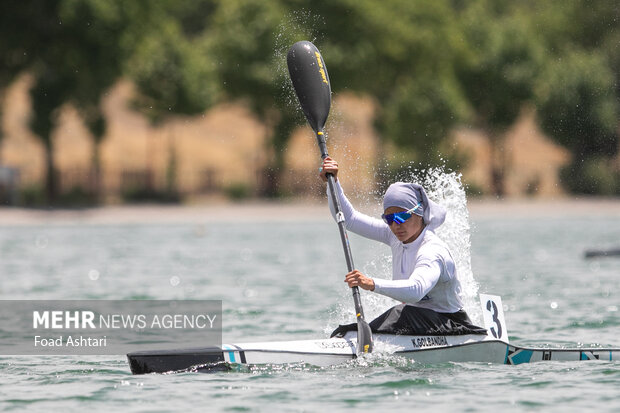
[{"x": 408, "y": 195}]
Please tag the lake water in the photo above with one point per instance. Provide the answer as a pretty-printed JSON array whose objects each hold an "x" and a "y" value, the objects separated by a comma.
[{"x": 283, "y": 280}]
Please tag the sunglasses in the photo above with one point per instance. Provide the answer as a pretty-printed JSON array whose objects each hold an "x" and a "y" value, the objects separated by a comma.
[{"x": 400, "y": 217}]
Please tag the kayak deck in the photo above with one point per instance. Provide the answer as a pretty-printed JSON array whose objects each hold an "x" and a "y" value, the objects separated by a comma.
[{"x": 333, "y": 351}]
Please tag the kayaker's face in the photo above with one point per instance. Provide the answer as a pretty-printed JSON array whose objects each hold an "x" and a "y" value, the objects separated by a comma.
[{"x": 409, "y": 230}]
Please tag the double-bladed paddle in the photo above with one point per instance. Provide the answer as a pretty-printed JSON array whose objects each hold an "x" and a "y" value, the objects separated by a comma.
[{"x": 311, "y": 82}]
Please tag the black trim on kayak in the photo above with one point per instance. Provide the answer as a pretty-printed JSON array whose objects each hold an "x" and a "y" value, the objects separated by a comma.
[
  {"x": 241, "y": 353},
  {"x": 209, "y": 358},
  {"x": 161, "y": 361}
]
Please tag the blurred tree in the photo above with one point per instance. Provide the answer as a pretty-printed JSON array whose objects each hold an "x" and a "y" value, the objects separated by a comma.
[
  {"x": 578, "y": 108},
  {"x": 171, "y": 67},
  {"x": 403, "y": 54},
  {"x": 592, "y": 23},
  {"x": 13, "y": 55},
  {"x": 428, "y": 64},
  {"x": 76, "y": 49},
  {"x": 175, "y": 74},
  {"x": 73, "y": 50},
  {"x": 369, "y": 48},
  {"x": 36, "y": 28},
  {"x": 249, "y": 43},
  {"x": 578, "y": 93},
  {"x": 48, "y": 95},
  {"x": 499, "y": 74},
  {"x": 95, "y": 38}
]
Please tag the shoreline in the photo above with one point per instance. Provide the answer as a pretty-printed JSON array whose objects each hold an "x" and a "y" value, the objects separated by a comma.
[{"x": 298, "y": 210}]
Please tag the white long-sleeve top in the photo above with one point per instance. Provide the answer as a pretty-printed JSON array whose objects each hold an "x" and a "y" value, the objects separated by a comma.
[{"x": 423, "y": 271}]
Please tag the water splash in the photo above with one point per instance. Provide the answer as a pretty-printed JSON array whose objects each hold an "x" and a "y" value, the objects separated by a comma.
[
  {"x": 296, "y": 26},
  {"x": 381, "y": 358},
  {"x": 446, "y": 188}
]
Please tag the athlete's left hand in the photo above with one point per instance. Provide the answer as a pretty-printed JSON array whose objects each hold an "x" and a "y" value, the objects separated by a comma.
[{"x": 357, "y": 279}]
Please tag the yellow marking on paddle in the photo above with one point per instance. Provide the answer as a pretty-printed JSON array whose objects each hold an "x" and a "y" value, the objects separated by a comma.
[
  {"x": 359, "y": 315},
  {"x": 321, "y": 68},
  {"x": 366, "y": 348}
]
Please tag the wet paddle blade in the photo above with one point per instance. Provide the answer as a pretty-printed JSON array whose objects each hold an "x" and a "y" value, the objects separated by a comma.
[
  {"x": 364, "y": 337},
  {"x": 311, "y": 82}
]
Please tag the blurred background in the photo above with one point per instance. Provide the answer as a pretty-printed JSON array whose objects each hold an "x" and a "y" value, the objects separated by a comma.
[{"x": 113, "y": 101}]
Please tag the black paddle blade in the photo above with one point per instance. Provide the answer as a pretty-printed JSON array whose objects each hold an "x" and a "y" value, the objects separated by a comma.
[
  {"x": 364, "y": 337},
  {"x": 311, "y": 82}
]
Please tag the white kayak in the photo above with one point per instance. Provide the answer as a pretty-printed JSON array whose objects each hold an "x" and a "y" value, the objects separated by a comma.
[{"x": 490, "y": 348}]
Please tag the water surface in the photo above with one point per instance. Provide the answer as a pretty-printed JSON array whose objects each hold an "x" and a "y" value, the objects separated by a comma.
[{"x": 282, "y": 280}]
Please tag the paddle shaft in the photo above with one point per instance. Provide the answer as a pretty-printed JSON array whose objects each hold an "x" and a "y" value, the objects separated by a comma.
[
  {"x": 311, "y": 82},
  {"x": 331, "y": 184}
]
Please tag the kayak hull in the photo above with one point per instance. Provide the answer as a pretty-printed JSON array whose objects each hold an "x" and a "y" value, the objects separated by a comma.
[{"x": 334, "y": 351}]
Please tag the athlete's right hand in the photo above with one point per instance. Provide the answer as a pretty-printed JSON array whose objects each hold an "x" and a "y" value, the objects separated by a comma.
[
  {"x": 329, "y": 166},
  {"x": 357, "y": 279}
]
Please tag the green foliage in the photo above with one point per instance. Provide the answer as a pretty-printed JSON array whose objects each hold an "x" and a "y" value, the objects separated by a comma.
[
  {"x": 48, "y": 94},
  {"x": 140, "y": 195},
  {"x": 578, "y": 92},
  {"x": 499, "y": 73},
  {"x": 428, "y": 64},
  {"x": 249, "y": 43},
  {"x": 238, "y": 191},
  {"x": 32, "y": 196},
  {"x": 583, "y": 24},
  {"x": 244, "y": 42},
  {"x": 403, "y": 54},
  {"x": 13, "y": 55},
  {"x": 592, "y": 176},
  {"x": 577, "y": 104},
  {"x": 172, "y": 74},
  {"x": 473, "y": 190},
  {"x": 76, "y": 197},
  {"x": 419, "y": 116},
  {"x": 372, "y": 46},
  {"x": 71, "y": 48}
]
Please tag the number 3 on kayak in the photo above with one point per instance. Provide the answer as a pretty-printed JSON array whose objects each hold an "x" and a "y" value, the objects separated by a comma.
[{"x": 493, "y": 313}]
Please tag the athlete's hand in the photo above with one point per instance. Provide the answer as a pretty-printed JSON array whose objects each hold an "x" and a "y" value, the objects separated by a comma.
[
  {"x": 357, "y": 279},
  {"x": 329, "y": 166}
]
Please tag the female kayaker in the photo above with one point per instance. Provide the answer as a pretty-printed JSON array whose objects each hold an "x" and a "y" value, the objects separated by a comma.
[{"x": 424, "y": 275}]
